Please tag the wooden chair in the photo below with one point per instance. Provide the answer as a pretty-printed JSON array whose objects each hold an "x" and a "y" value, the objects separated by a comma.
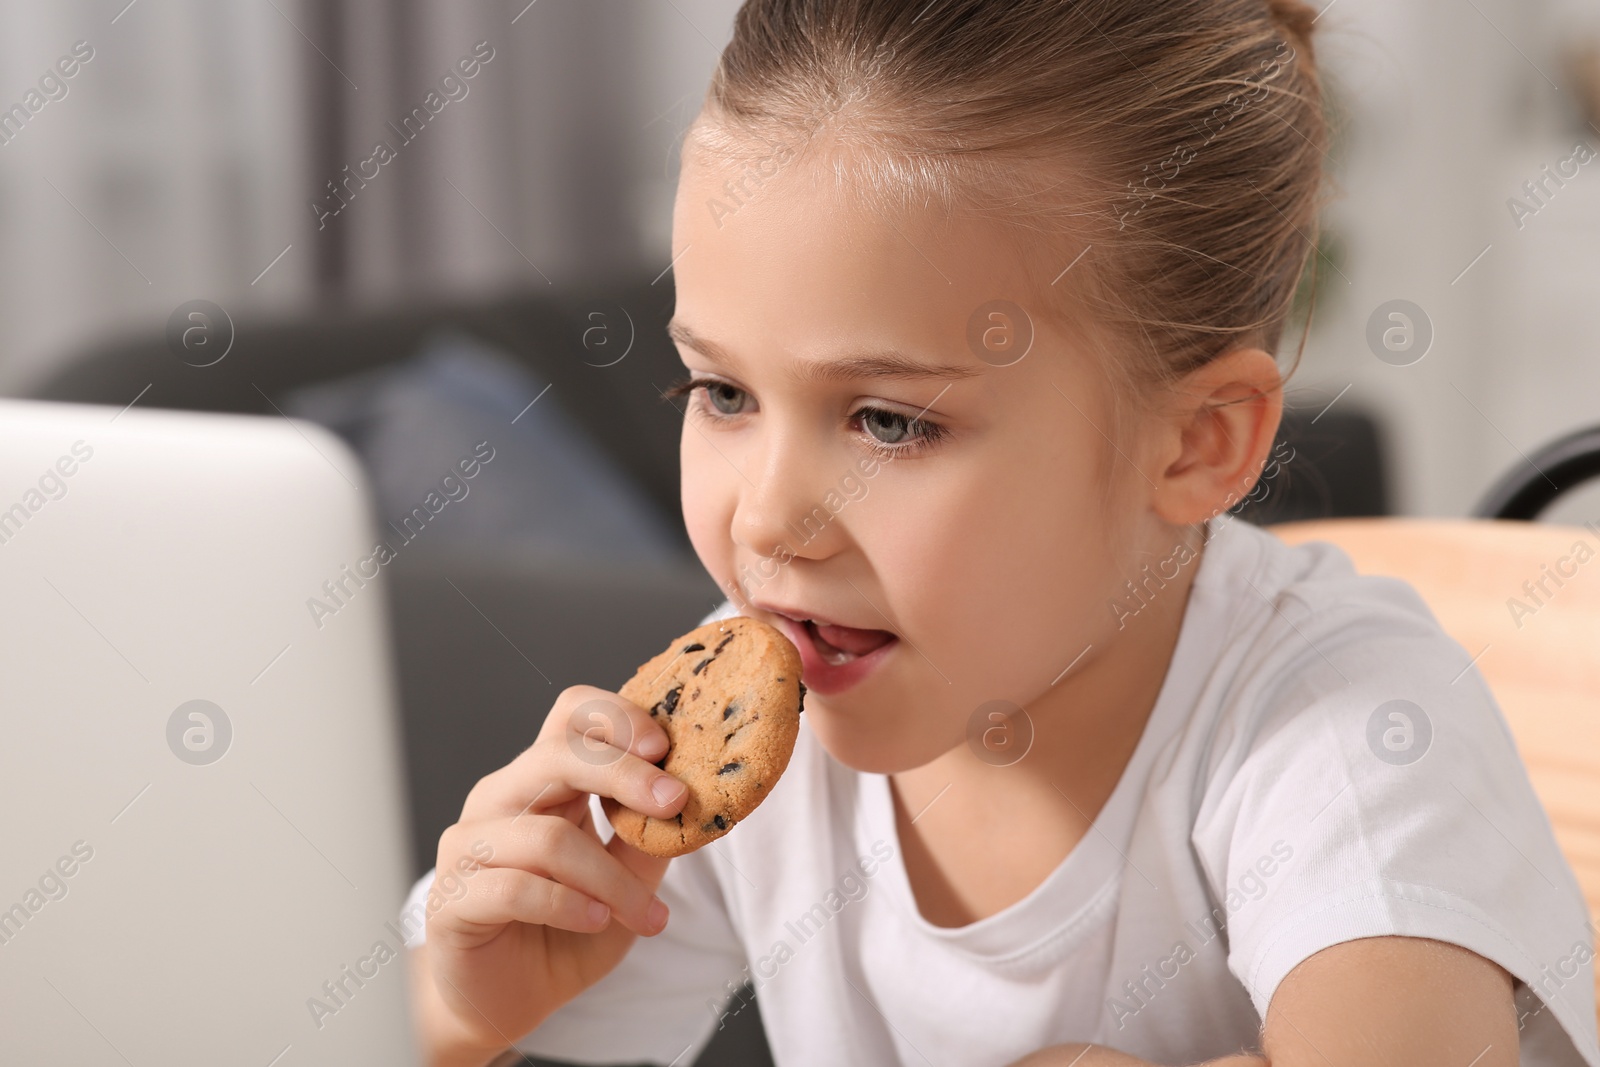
[{"x": 1541, "y": 660}]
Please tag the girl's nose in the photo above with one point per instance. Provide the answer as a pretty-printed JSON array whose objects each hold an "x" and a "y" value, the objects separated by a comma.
[{"x": 781, "y": 501}]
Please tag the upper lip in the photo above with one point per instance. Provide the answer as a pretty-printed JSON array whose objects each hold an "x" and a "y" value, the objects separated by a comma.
[{"x": 802, "y": 615}]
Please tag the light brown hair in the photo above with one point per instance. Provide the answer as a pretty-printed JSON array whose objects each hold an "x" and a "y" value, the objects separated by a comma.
[{"x": 1182, "y": 139}]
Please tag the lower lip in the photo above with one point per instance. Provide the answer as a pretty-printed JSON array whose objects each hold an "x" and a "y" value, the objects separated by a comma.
[{"x": 827, "y": 678}]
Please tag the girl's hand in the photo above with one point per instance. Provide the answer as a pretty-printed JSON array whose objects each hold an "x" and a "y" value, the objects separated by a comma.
[{"x": 542, "y": 910}]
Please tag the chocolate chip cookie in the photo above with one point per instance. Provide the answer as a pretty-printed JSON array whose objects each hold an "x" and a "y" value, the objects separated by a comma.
[{"x": 728, "y": 695}]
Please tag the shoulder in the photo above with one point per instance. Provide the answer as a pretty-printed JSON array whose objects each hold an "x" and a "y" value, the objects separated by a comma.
[
  {"x": 1350, "y": 755},
  {"x": 1313, "y": 587},
  {"x": 1307, "y": 637},
  {"x": 1325, "y": 675}
]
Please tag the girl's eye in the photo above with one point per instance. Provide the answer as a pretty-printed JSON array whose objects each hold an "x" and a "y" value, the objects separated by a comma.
[
  {"x": 725, "y": 400},
  {"x": 886, "y": 432},
  {"x": 893, "y": 428},
  {"x": 724, "y": 397}
]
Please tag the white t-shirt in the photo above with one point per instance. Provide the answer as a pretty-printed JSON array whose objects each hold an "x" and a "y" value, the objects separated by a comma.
[{"x": 1275, "y": 805}]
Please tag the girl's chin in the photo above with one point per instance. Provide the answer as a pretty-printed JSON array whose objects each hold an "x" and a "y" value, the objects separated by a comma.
[{"x": 883, "y": 750}]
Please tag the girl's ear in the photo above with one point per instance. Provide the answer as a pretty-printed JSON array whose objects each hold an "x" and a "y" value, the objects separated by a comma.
[{"x": 1217, "y": 435}]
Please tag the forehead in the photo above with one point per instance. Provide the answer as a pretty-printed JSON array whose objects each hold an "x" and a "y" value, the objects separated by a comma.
[{"x": 789, "y": 255}]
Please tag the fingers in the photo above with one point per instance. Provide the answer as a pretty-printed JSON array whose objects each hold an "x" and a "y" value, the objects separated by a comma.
[
  {"x": 545, "y": 863},
  {"x": 499, "y": 895},
  {"x": 559, "y": 851},
  {"x": 594, "y": 741},
  {"x": 586, "y": 766},
  {"x": 647, "y": 868},
  {"x": 602, "y": 724}
]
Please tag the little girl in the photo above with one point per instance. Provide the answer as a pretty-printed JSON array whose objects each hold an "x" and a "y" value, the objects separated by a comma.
[{"x": 979, "y": 301}]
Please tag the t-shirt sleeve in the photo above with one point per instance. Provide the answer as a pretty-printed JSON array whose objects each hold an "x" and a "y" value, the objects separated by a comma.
[
  {"x": 1367, "y": 785},
  {"x": 664, "y": 1000}
]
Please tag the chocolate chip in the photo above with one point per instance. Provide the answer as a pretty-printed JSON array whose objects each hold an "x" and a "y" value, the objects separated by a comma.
[
  {"x": 696, "y": 668},
  {"x": 695, "y": 647},
  {"x": 729, "y": 768},
  {"x": 668, "y": 703},
  {"x": 729, "y": 735},
  {"x": 724, "y": 641},
  {"x": 729, "y": 711},
  {"x": 718, "y": 823}
]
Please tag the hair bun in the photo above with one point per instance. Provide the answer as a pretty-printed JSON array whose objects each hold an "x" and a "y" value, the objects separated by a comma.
[{"x": 1296, "y": 19}]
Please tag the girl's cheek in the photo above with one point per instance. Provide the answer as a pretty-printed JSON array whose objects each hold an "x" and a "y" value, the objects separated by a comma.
[{"x": 706, "y": 517}]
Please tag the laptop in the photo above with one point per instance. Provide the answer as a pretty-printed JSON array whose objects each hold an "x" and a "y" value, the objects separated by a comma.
[{"x": 202, "y": 835}]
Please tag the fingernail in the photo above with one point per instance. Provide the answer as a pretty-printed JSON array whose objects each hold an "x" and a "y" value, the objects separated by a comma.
[
  {"x": 653, "y": 747},
  {"x": 667, "y": 789},
  {"x": 598, "y": 912},
  {"x": 657, "y": 915}
]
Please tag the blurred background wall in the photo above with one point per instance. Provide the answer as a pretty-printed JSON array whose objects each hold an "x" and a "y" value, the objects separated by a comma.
[
  {"x": 187, "y": 152},
  {"x": 1447, "y": 109},
  {"x": 185, "y": 157}
]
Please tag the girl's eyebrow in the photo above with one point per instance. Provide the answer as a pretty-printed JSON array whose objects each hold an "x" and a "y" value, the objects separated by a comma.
[{"x": 885, "y": 364}]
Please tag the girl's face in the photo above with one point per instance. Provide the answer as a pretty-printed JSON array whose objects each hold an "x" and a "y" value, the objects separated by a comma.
[{"x": 976, "y": 542}]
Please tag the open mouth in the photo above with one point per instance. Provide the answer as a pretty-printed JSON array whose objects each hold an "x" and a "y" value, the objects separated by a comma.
[
  {"x": 834, "y": 657},
  {"x": 841, "y": 644}
]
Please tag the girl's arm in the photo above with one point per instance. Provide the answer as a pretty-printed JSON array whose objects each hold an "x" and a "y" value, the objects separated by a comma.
[{"x": 1374, "y": 1002}]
